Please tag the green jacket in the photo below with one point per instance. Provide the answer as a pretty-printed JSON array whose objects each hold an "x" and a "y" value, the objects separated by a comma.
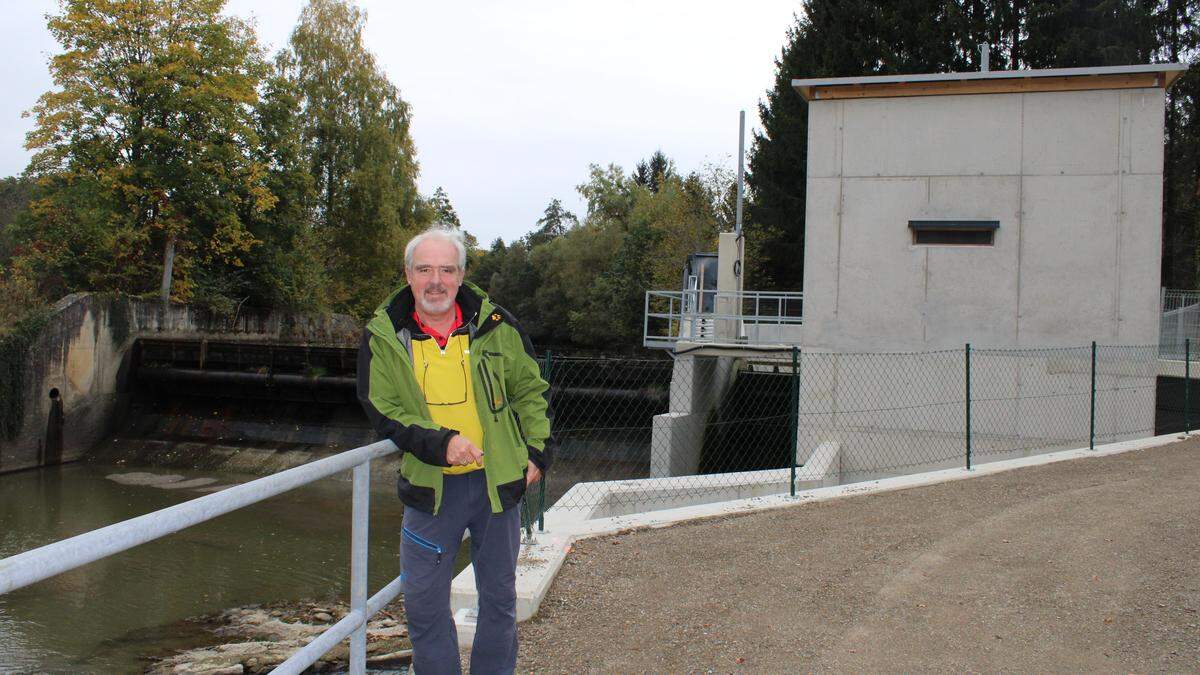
[{"x": 510, "y": 395}]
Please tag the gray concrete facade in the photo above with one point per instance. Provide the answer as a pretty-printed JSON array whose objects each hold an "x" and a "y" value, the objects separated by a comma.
[{"x": 1074, "y": 179}]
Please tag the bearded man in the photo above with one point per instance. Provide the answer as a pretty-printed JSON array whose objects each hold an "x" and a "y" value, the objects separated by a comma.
[{"x": 450, "y": 378}]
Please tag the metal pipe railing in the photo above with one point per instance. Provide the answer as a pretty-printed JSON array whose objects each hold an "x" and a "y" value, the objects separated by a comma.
[
  {"x": 696, "y": 315},
  {"x": 41, "y": 563}
]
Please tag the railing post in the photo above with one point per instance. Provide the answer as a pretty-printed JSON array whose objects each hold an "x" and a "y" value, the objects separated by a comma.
[
  {"x": 1092, "y": 424},
  {"x": 542, "y": 483},
  {"x": 358, "y": 565},
  {"x": 967, "y": 367},
  {"x": 646, "y": 321},
  {"x": 1187, "y": 386},
  {"x": 795, "y": 414}
]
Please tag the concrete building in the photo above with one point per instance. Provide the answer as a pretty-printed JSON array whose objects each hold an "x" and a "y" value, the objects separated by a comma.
[
  {"x": 1006, "y": 209},
  {"x": 1003, "y": 208}
]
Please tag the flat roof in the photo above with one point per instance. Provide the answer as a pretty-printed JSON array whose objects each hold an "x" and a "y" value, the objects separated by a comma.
[{"x": 991, "y": 82}]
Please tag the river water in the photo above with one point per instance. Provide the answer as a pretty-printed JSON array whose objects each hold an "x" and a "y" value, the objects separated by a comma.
[{"x": 109, "y": 615}]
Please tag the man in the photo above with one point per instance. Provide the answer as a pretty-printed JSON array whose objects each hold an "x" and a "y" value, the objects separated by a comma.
[{"x": 450, "y": 378}]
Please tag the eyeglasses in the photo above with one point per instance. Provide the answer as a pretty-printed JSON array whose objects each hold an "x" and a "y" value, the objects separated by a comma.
[{"x": 445, "y": 390}]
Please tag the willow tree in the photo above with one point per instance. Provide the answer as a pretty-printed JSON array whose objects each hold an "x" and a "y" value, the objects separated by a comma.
[
  {"x": 143, "y": 148},
  {"x": 359, "y": 151}
]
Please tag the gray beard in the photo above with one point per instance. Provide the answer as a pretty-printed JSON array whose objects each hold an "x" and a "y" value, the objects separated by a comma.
[{"x": 435, "y": 307}]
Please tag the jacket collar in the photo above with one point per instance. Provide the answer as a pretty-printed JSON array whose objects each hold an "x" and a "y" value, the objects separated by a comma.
[{"x": 395, "y": 314}]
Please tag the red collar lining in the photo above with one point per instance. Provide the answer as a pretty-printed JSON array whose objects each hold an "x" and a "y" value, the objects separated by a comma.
[{"x": 438, "y": 337}]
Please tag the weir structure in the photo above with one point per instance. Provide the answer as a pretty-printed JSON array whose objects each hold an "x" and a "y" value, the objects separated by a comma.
[{"x": 81, "y": 366}]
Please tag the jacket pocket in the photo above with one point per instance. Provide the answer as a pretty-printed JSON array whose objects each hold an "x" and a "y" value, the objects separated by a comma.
[
  {"x": 423, "y": 543},
  {"x": 417, "y": 496},
  {"x": 510, "y": 493}
]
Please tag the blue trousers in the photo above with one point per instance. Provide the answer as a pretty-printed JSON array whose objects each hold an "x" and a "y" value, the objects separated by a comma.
[{"x": 428, "y": 546}]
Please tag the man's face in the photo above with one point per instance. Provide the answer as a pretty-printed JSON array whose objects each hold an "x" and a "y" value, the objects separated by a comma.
[{"x": 434, "y": 275}]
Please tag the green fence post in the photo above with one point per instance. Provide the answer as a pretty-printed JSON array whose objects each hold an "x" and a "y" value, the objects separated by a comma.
[
  {"x": 1092, "y": 423},
  {"x": 967, "y": 366},
  {"x": 542, "y": 482},
  {"x": 794, "y": 413},
  {"x": 1187, "y": 386}
]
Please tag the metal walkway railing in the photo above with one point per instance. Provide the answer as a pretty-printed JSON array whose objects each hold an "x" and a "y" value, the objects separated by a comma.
[
  {"x": 32, "y": 566},
  {"x": 700, "y": 316},
  {"x": 1179, "y": 322}
]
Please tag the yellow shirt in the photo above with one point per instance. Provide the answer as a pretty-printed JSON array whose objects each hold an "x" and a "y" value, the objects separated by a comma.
[{"x": 445, "y": 377}]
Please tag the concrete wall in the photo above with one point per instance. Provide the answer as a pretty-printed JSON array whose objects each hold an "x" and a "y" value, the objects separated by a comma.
[
  {"x": 83, "y": 352},
  {"x": 1074, "y": 179},
  {"x": 677, "y": 436}
]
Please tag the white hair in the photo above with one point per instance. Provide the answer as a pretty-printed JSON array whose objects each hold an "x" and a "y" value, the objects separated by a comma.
[{"x": 438, "y": 231}]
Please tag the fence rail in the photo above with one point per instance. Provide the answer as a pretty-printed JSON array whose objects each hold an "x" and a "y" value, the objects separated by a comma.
[
  {"x": 751, "y": 317},
  {"x": 1180, "y": 321}
]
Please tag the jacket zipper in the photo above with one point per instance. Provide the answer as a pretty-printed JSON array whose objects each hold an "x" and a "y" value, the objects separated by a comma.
[
  {"x": 489, "y": 389},
  {"x": 424, "y": 543}
]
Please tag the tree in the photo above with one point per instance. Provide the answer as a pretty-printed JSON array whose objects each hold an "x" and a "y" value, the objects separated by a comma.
[
  {"x": 360, "y": 153},
  {"x": 555, "y": 222},
  {"x": 1181, "y": 167},
  {"x": 652, "y": 173},
  {"x": 291, "y": 267},
  {"x": 487, "y": 264},
  {"x": 1079, "y": 33},
  {"x": 145, "y": 144},
  {"x": 15, "y": 195},
  {"x": 443, "y": 210}
]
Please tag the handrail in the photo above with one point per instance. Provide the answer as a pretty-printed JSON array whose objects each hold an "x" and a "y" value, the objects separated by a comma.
[
  {"x": 708, "y": 316},
  {"x": 40, "y": 563}
]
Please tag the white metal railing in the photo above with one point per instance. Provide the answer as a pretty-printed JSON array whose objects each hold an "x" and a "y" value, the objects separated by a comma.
[
  {"x": 706, "y": 317},
  {"x": 1180, "y": 321},
  {"x": 32, "y": 566}
]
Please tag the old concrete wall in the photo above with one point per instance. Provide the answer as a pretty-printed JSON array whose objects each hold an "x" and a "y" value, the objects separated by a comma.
[
  {"x": 1074, "y": 179},
  {"x": 83, "y": 353}
]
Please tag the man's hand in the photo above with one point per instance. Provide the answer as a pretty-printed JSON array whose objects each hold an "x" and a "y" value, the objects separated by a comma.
[
  {"x": 461, "y": 451},
  {"x": 532, "y": 475}
]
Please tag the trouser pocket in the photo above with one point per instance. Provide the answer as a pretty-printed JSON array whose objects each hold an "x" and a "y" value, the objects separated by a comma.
[{"x": 423, "y": 543}]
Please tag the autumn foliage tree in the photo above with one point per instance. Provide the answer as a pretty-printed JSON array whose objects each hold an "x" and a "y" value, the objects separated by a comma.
[{"x": 143, "y": 149}]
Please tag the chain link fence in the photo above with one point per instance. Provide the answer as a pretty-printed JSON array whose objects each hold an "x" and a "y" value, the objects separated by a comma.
[{"x": 700, "y": 428}]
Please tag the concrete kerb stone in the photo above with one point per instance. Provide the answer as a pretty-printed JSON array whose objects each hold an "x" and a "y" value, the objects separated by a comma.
[{"x": 542, "y": 557}]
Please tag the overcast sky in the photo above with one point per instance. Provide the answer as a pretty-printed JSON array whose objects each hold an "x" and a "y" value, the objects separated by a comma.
[{"x": 512, "y": 100}]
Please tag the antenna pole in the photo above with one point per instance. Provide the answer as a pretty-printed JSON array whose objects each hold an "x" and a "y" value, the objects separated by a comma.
[{"x": 737, "y": 225}]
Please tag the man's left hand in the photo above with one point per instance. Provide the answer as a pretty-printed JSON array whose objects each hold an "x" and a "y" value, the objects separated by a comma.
[{"x": 533, "y": 475}]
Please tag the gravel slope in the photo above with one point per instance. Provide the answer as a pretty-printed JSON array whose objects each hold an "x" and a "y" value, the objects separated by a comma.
[{"x": 1086, "y": 565}]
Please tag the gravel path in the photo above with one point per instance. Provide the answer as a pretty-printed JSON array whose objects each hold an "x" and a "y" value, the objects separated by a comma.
[{"x": 1090, "y": 565}]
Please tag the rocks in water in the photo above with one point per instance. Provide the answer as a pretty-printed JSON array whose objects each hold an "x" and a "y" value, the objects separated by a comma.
[
  {"x": 260, "y": 638},
  {"x": 165, "y": 481}
]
